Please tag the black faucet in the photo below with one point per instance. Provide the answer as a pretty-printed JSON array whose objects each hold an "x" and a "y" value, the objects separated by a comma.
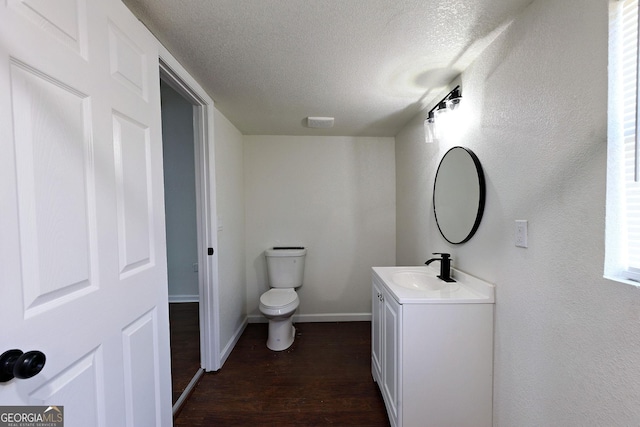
[{"x": 445, "y": 266}]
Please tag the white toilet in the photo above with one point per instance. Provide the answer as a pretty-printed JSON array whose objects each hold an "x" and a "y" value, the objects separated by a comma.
[{"x": 285, "y": 268}]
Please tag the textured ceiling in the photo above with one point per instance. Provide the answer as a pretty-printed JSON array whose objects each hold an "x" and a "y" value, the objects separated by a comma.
[{"x": 371, "y": 64}]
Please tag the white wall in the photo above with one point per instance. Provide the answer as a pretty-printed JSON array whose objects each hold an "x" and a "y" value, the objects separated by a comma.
[
  {"x": 567, "y": 342},
  {"x": 179, "y": 195},
  {"x": 333, "y": 195},
  {"x": 230, "y": 211}
]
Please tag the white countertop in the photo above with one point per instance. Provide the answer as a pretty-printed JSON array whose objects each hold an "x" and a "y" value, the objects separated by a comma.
[{"x": 466, "y": 290}]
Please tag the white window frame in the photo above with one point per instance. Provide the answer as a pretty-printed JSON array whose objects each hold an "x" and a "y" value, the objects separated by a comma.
[{"x": 622, "y": 256}]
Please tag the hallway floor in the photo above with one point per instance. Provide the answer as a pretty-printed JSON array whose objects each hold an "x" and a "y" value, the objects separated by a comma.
[
  {"x": 323, "y": 379},
  {"x": 185, "y": 345}
]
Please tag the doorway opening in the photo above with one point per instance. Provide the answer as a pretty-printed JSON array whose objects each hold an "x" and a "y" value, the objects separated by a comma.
[
  {"x": 178, "y": 148},
  {"x": 193, "y": 298}
]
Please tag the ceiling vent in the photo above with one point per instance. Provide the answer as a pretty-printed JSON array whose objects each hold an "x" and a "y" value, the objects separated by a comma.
[{"x": 320, "y": 122}]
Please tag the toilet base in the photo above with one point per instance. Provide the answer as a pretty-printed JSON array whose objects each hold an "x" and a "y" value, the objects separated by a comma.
[{"x": 281, "y": 334}]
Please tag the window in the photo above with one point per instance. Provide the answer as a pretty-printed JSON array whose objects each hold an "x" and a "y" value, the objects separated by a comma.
[{"x": 622, "y": 260}]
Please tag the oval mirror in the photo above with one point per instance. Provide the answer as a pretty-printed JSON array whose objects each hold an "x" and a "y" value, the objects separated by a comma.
[{"x": 458, "y": 195}]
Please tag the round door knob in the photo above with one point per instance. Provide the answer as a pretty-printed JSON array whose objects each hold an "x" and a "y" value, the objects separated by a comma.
[
  {"x": 16, "y": 364},
  {"x": 29, "y": 364}
]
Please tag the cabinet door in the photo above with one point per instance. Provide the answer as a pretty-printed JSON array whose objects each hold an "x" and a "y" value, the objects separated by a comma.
[
  {"x": 390, "y": 362},
  {"x": 376, "y": 332}
]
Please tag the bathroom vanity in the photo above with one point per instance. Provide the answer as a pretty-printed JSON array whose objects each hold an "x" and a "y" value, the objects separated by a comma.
[{"x": 432, "y": 347}]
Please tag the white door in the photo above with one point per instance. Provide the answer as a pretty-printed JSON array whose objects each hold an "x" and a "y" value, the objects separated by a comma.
[{"x": 82, "y": 243}]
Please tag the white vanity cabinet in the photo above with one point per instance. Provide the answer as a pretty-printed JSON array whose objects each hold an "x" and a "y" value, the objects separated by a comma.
[
  {"x": 386, "y": 327},
  {"x": 432, "y": 355}
]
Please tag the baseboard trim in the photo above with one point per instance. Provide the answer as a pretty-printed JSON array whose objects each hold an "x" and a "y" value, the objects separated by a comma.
[
  {"x": 226, "y": 351},
  {"x": 184, "y": 298},
  {"x": 309, "y": 318}
]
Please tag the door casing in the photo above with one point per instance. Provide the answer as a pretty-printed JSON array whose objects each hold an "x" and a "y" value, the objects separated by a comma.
[{"x": 172, "y": 73}]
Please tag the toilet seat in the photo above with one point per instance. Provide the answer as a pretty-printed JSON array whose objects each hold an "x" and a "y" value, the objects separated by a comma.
[{"x": 279, "y": 301}]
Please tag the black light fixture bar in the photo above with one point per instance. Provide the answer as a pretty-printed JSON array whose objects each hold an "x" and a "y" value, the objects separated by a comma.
[{"x": 452, "y": 97}]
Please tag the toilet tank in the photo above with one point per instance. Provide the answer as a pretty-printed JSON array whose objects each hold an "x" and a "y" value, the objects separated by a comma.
[{"x": 285, "y": 266}]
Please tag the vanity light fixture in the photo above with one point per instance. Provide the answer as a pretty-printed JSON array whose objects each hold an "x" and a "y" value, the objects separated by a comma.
[
  {"x": 430, "y": 129},
  {"x": 454, "y": 98},
  {"x": 441, "y": 108},
  {"x": 449, "y": 102}
]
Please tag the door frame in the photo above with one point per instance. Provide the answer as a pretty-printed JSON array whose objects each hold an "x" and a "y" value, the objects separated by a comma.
[{"x": 172, "y": 73}]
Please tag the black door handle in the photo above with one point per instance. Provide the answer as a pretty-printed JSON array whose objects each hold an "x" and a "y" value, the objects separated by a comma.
[{"x": 16, "y": 364}]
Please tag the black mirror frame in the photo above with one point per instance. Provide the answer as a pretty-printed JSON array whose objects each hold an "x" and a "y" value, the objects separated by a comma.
[{"x": 481, "y": 201}]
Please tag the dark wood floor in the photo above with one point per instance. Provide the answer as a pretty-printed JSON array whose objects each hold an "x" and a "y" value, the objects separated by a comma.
[
  {"x": 185, "y": 345},
  {"x": 323, "y": 379}
]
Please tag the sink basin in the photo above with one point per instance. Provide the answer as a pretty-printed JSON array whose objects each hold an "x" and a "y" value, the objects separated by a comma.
[
  {"x": 421, "y": 281},
  {"x": 419, "y": 284}
]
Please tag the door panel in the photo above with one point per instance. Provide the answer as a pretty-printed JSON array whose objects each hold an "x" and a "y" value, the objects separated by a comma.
[
  {"x": 82, "y": 239},
  {"x": 66, "y": 20},
  {"x": 52, "y": 148},
  {"x": 390, "y": 369},
  {"x": 376, "y": 331},
  {"x": 131, "y": 152},
  {"x": 127, "y": 62},
  {"x": 82, "y": 379},
  {"x": 141, "y": 366}
]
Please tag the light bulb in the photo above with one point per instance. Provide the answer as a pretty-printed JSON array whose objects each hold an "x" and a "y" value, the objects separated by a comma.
[{"x": 430, "y": 135}]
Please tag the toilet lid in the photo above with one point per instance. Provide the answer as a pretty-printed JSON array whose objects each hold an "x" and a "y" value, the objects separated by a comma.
[{"x": 278, "y": 297}]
